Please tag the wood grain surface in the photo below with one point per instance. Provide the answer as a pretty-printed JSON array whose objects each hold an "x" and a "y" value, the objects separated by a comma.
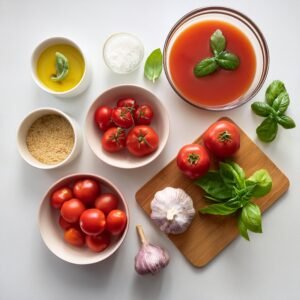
[{"x": 208, "y": 235}]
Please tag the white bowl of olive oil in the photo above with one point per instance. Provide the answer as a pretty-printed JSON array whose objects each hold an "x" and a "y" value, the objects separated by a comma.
[{"x": 59, "y": 67}]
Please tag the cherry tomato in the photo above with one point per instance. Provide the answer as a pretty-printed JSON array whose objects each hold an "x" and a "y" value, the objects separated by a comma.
[
  {"x": 74, "y": 237},
  {"x": 71, "y": 210},
  {"x": 143, "y": 115},
  {"x": 116, "y": 221},
  {"x": 86, "y": 190},
  {"x": 60, "y": 196},
  {"x": 92, "y": 221},
  {"x": 193, "y": 160},
  {"x": 64, "y": 224},
  {"x": 99, "y": 242},
  {"x": 129, "y": 103},
  {"x": 106, "y": 202},
  {"x": 142, "y": 140},
  {"x": 222, "y": 139},
  {"x": 114, "y": 139},
  {"x": 103, "y": 117},
  {"x": 122, "y": 117}
]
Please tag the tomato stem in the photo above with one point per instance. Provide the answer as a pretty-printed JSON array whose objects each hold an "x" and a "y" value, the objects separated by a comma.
[
  {"x": 224, "y": 137},
  {"x": 193, "y": 158}
]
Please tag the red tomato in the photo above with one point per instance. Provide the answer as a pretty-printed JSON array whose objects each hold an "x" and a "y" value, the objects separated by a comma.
[
  {"x": 122, "y": 117},
  {"x": 129, "y": 103},
  {"x": 116, "y": 221},
  {"x": 103, "y": 117},
  {"x": 74, "y": 237},
  {"x": 71, "y": 210},
  {"x": 114, "y": 139},
  {"x": 64, "y": 224},
  {"x": 193, "y": 160},
  {"x": 86, "y": 190},
  {"x": 143, "y": 115},
  {"x": 142, "y": 140},
  {"x": 60, "y": 196},
  {"x": 99, "y": 242},
  {"x": 106, "y": 202},
  {"x": 222, "y": 139},
  {"x": 92, "y": 221}
]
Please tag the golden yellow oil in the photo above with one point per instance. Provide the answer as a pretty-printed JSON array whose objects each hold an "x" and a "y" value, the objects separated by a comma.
[{"x": 46, "y": 67}]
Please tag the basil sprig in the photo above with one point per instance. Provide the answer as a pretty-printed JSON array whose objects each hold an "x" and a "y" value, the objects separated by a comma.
[
  {"x": 153, "y": 65},
  {"x": 277, "y": 102},
  {"x": 221, "y": 59},
  {"x": 62, "y": 67},
  {"x": 231, "y": 192}
]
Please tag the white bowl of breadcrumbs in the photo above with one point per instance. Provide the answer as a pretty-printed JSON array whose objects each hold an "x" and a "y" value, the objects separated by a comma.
[{"x": 48, "y": 138}]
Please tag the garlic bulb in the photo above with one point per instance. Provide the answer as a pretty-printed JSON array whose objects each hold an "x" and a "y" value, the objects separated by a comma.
[
  {"x": 150, "y": 258},
  {"x": 172, "y": 210}
]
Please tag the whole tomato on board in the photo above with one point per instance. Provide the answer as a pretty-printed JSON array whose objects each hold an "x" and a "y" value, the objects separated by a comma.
[
  {"x": 60, "y": 196},
  {"x": 99, "y": 242},
  {"x": 71, "y": 210},
  {"x": 116, "y": 221},
  {"x": 106, "y": 202},
  {"x": 143, "y": 115},
  {"x": 142, "y": 140},
  {"x": 129, "y": 103},
  {"x": 193, "y": 160},
  {"x": 122, "y": 117},
  {"x": 103, "y": 117},
  {"x": 222, "y": 139},
  {"x": 92, "y": 221},
  {"x": 114, "y": 139},
  {"x": 86, "y": 190},
  {"x": 74, "y": 237}
]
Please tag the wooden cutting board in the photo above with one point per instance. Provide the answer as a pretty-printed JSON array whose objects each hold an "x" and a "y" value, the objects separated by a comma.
[{"x": 208, "y": 235}]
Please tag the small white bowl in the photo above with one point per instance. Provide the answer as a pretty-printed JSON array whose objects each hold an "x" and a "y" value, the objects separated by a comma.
[
  {"x": 160, "y": 124},
  {"x": 53, "y": 235},
  {"x": 26, "y": 124},
  {"x": 82, "y": 84}
]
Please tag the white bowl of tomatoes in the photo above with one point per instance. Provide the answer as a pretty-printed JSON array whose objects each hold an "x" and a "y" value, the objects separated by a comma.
[
  {"x": 83, "y": 218},
  {"x": 127, "y": 126}
]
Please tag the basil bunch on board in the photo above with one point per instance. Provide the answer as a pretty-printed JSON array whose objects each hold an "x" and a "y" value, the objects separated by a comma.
[
  {"x": 153, "y": 65},
  {"x": 273, "y": 109},
  {"x": 61, "y": 66},
  {"x": 231, "y": 192},
  {"x": 221, "y": 59}
]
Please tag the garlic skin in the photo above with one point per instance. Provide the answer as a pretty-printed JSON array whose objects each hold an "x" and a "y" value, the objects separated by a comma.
[{"x": 172, "y": 210}]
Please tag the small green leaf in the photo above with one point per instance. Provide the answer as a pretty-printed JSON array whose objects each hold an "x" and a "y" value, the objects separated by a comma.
[
  {"x": 153, "y": 65},
  {"x": 281, "y": 103},
  {"x": 262, "y": 181},
  {"x": 218, "y": 209},
  {"x": 239, "y": 170},
  {"x": 217, "y": 42},
  {"x": 251, "y": 217},
  {"x": 267, "y": 130},
  {"x": 262, "y": 109},
  {"x": 205, "y": 67},
  {"x": 286, "y": 122},
  {"x": 274, "y": 90},
  {"x": 227, "y": 60},
  {"x": 230, "y": 176},
  {"x": 243, "y": 229},
  {"x": 62, "y": 67}
]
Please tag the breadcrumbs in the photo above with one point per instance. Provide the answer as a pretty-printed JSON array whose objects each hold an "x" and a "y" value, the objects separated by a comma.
[{"x": 50, "y": 139}]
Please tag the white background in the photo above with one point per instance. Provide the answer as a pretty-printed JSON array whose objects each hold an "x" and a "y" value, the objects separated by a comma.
[{"x": 266, "y": 268}]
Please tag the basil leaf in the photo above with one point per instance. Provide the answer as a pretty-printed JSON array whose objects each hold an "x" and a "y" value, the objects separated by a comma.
[
  {"x": 205, "y": 67},
  {"x": 267, "y": 130},
  {"x": 281, "y": 103},
  {"x": 213, "y": 184},
  {"x": 217, "y": 42},
  {"x": 227, "y": 60},
  {"x": 243, "y": 229},
  {"x": 245, "y": 195},
  {"x": 286, "y": 122},
  {"x": 62, "y": 67},
  {"x": 229, "y": 175},
  {"x": 262, "y": 182},
  {"x": 240, "y": 172},
  {"x": 251, "y": 217},
  {"x": 262, "y": 109},
  {"x": 153, "y": 65},
  {"x": 234, "y": 202},
  {"x": 218, "y": 209},
  {"x": 274, "y": 90}
]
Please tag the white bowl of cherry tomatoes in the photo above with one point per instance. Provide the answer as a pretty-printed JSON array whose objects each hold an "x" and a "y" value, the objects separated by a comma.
[
  {"x": 127, "y": 126},
  {"x": 83, "y": 218}
]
